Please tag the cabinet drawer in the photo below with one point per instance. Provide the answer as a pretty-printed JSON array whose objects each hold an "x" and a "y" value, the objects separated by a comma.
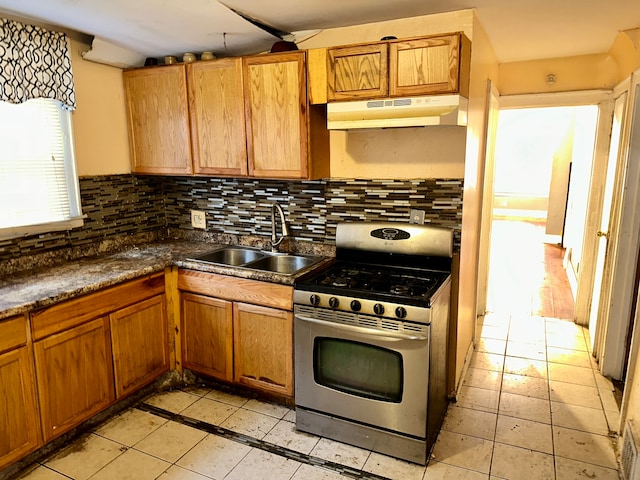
[
  {"x": 75, "y": 312},
  {"x": 237, "y": 289},
  {"x": 13, "y": 333}
]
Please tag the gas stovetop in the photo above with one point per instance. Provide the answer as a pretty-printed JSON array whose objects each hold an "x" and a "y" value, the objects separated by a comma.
[
  {"x": 383, "y": 269},
  {"x": 401, "y": 285}
]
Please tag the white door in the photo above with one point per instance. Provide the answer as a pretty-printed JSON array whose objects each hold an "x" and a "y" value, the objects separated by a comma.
[
  {"x": 607, "y": 197},
  {"x": 621, "y": 257}
]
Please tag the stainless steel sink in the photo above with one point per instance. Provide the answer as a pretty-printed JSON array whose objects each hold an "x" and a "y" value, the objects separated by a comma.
[
  {"x": 286, "y": 264},
  {"x": 234, "y": 256},
  {"x": 246, "y": 257}
]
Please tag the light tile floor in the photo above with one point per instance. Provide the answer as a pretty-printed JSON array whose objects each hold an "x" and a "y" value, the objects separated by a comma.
[{"x": 531, "y": 406}]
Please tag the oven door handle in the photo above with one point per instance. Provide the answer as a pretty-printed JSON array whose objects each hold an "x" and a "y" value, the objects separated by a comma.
[{"x": 364, "y": 330}]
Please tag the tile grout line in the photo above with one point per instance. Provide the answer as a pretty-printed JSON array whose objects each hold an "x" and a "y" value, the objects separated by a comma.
[
  {"x": 551, "y": 421},
  {"x": 260, "y": 444}
]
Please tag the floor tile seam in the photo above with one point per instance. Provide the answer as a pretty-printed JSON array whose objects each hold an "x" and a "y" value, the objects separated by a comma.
[
  {"x": 617, "y": 469},
  {"x": 468, "y": 469},
  {"x": 573, "y": 383},
  {"x": 241, "y": 438},
  {"x": 54, "y": 470},
  {"x": 122, "y": 448},
  {"x": 552, "y": 454}
]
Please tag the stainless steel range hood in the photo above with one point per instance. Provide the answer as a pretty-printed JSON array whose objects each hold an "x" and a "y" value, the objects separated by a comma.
[{"x": 398, "y": 112}]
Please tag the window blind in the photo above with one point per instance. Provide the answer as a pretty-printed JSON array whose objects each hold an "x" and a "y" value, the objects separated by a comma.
[{"x": 38, "y": 183}]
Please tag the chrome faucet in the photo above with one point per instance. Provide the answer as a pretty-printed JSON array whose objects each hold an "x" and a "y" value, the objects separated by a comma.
[{"x": 275, "y": 241}]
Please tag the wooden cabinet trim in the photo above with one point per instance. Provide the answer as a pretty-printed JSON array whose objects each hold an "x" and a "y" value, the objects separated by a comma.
[
  {"x": 74, "y": 312},
  {"x": 13, "y": 333},
  {"x": 237, "y": 289}
]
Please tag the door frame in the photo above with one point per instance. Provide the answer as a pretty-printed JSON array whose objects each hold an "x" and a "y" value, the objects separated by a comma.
[
  {"x": 490, "y": 135},
  {"x": 560, "y": 99}
]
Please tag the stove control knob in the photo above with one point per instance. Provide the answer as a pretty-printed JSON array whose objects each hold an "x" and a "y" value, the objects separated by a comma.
[
  {"x": 378, "y": 309},
  {"x": 355, "y": 305},
  {"x": 334, "y": 302},
  {"x": 314, "y": 300},
  {"x": 401, "y": 312}
]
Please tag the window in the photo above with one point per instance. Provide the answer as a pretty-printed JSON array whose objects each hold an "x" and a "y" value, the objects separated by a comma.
[{"x": 38, "y": 182}]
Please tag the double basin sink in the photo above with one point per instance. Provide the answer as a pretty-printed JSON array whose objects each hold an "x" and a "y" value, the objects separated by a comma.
[{"x": 245, "y": 257}]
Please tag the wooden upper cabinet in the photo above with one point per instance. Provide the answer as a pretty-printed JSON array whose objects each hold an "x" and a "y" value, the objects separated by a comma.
[
  {"x": 427, "y": 65},
  {"x": 276, "y": 106},
  {"x": 359, "y": 71},
  {"x": 419, "y": 66},
  {"x": 216, "y": 108},
  {"x": 157, "y": 111}
]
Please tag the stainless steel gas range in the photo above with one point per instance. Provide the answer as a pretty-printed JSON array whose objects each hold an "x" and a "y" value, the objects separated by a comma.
[{"x": 371, "y": 336}]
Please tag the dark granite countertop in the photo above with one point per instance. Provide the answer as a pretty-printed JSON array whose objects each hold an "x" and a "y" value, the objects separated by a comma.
[{"x": 28, "y": 291}]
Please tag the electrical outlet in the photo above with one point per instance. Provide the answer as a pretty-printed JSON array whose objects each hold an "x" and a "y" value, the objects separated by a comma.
[
  {"x": 416, "y": 216},
  {"x": 198, "y": 219}
]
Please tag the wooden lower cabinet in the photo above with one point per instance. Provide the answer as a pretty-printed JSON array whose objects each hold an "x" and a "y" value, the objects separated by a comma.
[
  {"x": 74, "y": 376},
  {"x": 207, "y": 336},
  {"x": 19, "y": 426},
  {"x": 140, "y": 344},
  {"x": 238, "y": 330},
  {"x": 263, "y": 348}
]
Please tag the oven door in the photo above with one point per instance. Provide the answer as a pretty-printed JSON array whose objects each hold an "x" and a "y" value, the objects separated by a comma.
[{"x": 372, "y": 375}]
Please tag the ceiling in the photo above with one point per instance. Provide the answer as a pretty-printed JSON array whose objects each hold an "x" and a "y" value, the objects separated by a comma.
[{"x": 518, "y": 29}]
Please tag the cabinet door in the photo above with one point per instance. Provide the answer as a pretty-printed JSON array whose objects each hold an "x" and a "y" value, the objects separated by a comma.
[
  {"x": 263, "y": 348},
  {"x": 275, "y": 91},
  {"x": 424, "y": 66},
  {"x": 140, "y": 344},
  {"x": 358, "y": 72},
  {"x": 158, "y": 119},
  {"x": 216, "y": 107},
  {"x": 207, "y": 336},
  {"x": 74, "y": 376},
  {"x": 19, "y": 426}
]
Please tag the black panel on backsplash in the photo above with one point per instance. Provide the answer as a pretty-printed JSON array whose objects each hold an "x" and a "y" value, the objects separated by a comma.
[{"x": 119, "y": 206}]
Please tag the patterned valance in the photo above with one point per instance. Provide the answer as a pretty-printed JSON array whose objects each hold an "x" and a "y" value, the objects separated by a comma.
[{"x": 34, "y": 63}]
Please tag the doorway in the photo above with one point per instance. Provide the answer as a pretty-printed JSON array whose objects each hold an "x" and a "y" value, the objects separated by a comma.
[{"x": 542, "y": 171}]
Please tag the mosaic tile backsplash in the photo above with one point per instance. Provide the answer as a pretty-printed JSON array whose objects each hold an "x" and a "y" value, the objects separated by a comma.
[
  {"x": 132, "y": 205},
  {"x": 313, "y": 208}
]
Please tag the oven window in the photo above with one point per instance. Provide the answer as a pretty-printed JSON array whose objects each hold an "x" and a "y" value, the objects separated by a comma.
[{"x": 358, "y": 368}]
